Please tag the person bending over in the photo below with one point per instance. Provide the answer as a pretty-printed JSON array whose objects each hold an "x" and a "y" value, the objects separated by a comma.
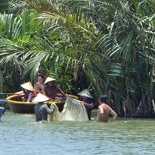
[{"x": 41, "y": 109}]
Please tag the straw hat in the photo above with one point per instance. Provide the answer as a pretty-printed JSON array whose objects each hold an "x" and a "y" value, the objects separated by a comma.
[
  {"x": 40, "y": 98},
  {"x": 85, "y": 93},
  {"x": 27, "y": 86},
  {"x": 49, "y": 79}
]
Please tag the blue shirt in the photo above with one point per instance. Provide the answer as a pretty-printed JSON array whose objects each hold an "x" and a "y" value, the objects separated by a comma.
[{"x": 41, "y": 111}]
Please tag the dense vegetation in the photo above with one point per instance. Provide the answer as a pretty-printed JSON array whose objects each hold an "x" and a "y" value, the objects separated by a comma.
[{"x": 105, "y": 46}]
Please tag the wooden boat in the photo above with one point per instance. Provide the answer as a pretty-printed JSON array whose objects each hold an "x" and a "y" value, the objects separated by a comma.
[
  {"x": 1, "y": 112},
  {"x": 3, "y": 103},
  {"x": 16, "y": 104}
]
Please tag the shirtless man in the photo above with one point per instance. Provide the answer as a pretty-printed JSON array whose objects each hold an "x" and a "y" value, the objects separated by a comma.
[{"x": 104, "y": 110}]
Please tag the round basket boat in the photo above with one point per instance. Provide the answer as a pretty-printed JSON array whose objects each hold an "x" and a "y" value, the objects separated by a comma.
[{"x": 16, "y": 104}]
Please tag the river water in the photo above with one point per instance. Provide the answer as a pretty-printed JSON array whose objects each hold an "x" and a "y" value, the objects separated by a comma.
[{"x": 20, "y": 135}]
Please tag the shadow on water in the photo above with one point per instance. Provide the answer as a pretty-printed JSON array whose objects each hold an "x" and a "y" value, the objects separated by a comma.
[{"x": 20, "y": 134}]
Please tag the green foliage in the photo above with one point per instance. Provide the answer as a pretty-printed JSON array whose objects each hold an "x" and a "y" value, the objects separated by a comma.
[
  {"x": 64, "y": 79},
  {"x": 106, "y": 46},
  {"x": 4, "y": 5}
]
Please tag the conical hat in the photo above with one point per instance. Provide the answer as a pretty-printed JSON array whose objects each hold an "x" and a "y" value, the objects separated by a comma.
[
  {"x": 49, "y": 79},
  {"x": 27, "y": 86},
  {"x": 40, "y": 98},
  {"x": 85, "y": 93}
]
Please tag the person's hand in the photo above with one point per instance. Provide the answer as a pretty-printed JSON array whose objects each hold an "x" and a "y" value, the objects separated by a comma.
[
  {"x": 52, "y": 106},
  {"x": 51, "y": 100},
  {"x": 39, "y": 85},
  {"x": 82, "y": 102}
]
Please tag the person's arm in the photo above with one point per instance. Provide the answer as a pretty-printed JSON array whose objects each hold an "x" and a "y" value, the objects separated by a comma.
[
  {"x": 100, "y": 114},
  {"x": 30, "y": 96},
  {"x": 88, "y": 105},
  {"x": 61, "y": 92},
  {"x": 50, "y": 110},
  {"x": 101, "y": 110},
  {"x": 43, "y": 91},
  {"x": 35, "y": 88},
  {"x": 113, "y": 113}
]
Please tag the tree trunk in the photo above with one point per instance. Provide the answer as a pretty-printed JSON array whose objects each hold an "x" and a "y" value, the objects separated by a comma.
[{"x": 1, "y": 81}]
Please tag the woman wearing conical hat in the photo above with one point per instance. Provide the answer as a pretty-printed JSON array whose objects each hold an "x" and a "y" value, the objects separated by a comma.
[
  {"x": 42, "y": 110},
  {"x": 87, "y": 100},
  {"x": 28, "y": 91},
  {"x": 52, "y": 90}
]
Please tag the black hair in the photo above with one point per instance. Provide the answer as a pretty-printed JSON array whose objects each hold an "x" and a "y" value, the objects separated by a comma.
[
  {"x": 103, "y": 98},
  {"x": 43, "y": 76}
]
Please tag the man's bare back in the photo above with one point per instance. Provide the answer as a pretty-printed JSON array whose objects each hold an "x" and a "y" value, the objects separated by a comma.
[{"x": 104, "y": 111}]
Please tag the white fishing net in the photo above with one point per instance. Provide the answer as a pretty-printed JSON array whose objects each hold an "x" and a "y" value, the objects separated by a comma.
[
  {"x": 55, "y": 115},
  {"x": 73, "y": 111}
]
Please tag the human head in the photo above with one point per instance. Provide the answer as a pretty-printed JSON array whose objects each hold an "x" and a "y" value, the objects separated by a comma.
[
  {"x": 103, "y": 99},
  {"x": 49, "y": 81},
  {"x": 40, "y": 78},
  {"x": 27, "y": 86},
  {"x": 85, "y": 93},
  {"x": 84, "y": 98},
  {"x": 40, "y": 98}
]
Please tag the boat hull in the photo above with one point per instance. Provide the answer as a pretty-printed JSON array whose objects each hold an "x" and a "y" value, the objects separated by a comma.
[
  {"x": 21, "y": 108},
  {"x": 17, "y": 106},
  {"x": 1, "y": 112}
]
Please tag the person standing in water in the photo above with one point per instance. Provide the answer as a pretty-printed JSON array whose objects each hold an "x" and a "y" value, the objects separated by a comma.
[
  {"x": 87, "y": 101},
  {"x": 42, "y": 110},
  {"x": 1, "y": 112},
  {"x": 104, "y": 110}
]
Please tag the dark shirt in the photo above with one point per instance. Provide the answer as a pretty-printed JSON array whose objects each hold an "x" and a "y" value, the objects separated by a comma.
[
  {"x": 89, "y": 102},
  {"x": 41, "y": 111},
  {"x": 88, "y": 109},
  {"x": 53, "y": 91}
]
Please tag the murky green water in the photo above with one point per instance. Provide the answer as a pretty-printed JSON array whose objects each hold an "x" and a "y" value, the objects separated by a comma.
[{"x": 20, "y": 135}]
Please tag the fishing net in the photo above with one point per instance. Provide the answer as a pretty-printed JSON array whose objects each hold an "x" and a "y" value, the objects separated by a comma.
[
  {"x": 55, "y": 115},
  {"x": 73, "y": 111}
]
